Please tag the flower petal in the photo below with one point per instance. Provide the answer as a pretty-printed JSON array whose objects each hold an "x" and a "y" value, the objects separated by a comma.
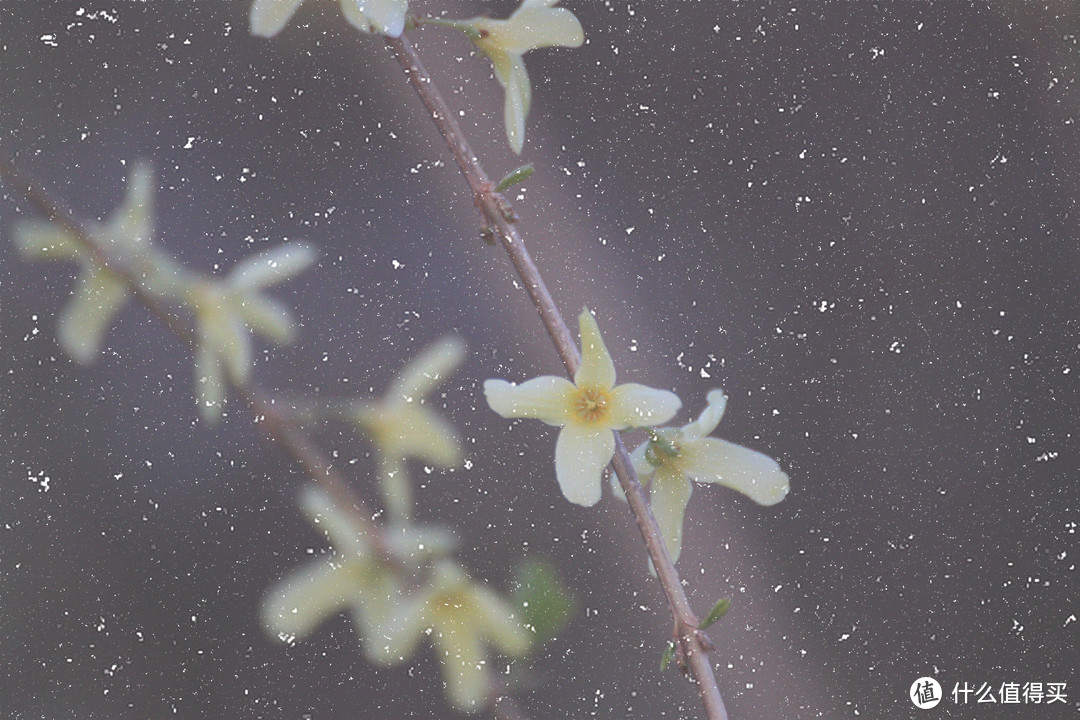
[
  {"x": 668, "y": 498},
  {"x": 132, "y": 224},
  {"x": 755, "y": 475},
  {"x": 634, "y": 405},
  {"x": 268, "y": 17},
  {"x": 497, "y": 621},
  {"x": 332, "y": 521},
  {"x": 396, "y": 489},
  {"x": 45, "y": 240},
  {"x": 428, "y": 370},
  {"x": 597, "y": 370},
  {"x": 273, "y": 266},
  {"x": 88, "y": 315},
  {"x": 709, "y": 418},
  {"x": 535, "y": 26},
  {"x": 209, "y": 383},
  {"x": 581, "y": 452},
  {"x": 385, "y": 17},
  {"x": 642, "y": 467},
  {"x": 547, "y": 398},
  {"x": 299, "y": 603},
  {"x": 268, "y": 317},
  {"x": 464, "y": 667},
  {"x": 400, "y": 633},
  {"x": 511, "y": 74},
  {"x": 416, "y": 431}
]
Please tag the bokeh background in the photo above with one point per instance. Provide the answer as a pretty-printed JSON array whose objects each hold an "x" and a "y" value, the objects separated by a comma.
[{"x": 859, "y": 219}]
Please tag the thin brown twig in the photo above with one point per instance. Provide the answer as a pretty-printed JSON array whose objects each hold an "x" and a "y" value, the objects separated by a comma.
[
  {"x": 275, "y": 422},
  {"x": 500, "y": 218},
  {"x": 272, "y": 419}
]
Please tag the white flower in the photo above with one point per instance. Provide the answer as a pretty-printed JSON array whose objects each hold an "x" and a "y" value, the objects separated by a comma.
[
  {"x": 676, "y": 456},
  {"x": 352, "y": 577},
  {"x": 384, "y": 17},
  {"x": 464, "y": 616},
  {"x": 535, "y": 24},
  {"x": 587, "y": 410},
  {"x": 225, "y": 309},
  {"x": 402, "y": 426},
  {"x": 99, "y": 293}
]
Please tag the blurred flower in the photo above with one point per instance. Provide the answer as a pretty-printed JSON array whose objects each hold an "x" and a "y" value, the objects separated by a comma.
[
  {"x": 384, "y": 17},
  {"x": 351, "y": 577},
  {"x": 674, "y": 457},
  {"x": 587, "y": 410},
  {"x": 99, "y": 293},
  {"x": 535, "y": 24},
  {"x": 225, "y": 309},
  {"x": 401, "y": 426},
  {"x": 464, "y": 616}
]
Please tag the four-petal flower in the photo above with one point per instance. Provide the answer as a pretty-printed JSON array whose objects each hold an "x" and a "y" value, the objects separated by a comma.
[
  {"x": 463, "y": 617},
  {"x": 384, "y": 17},
  {"x": 225, "y": 309},
  {"x": 99, "y": 294},
  {"x": 588, "y": 410},
  {"x": 350, "y": 577},
  {"x": 675, "y": 456},
  {"x": 535, "y": 24},
  {"x": 401, "y": 425}
]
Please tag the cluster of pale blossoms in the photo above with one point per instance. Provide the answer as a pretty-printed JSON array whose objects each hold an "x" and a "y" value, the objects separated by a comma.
[
  {"x": 225, "y": 309},
  {"x": 407, "y": 586},
  {"x": 535, "y": 24},
  {"x": 591, "y": 407}
]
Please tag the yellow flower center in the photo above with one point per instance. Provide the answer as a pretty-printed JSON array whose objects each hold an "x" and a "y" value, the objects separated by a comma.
[{"x": 590, "y": 405}]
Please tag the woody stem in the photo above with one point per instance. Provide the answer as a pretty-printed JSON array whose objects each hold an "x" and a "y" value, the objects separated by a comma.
[{"x": 498, "y": 214}]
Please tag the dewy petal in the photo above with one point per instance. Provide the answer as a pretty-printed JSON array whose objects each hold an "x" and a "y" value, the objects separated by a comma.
[
  {"x": 511, "y": 74},
  {"x": 642, "y": 467},
  {"x": 633, "y": 405},
  {"x": 396, "y": 488},
  {"x": 536, "y": 25},
  {"x": 303, "y": 600},
  {"x": 268, "y": 317},
  {"x": 597, "y": 370},
  {"x": 401, "y": 631},
  {"x": 272, "y": 266},
  {"x": 547, "y": 398},
  {"x": 45, "y": 240},
  {"x": 328, "y": 518},
  {"x": 209, "y": 383},
  {"x": 428, "y": 370},
  {"x": 464, "y": 669},
  {"x": 668, "y": 498},
  {"x": 716, "y": 401},
  {"x": 268, "y": 17},
  {"x": 131, "y": 226},
  {"x": 385, "y": 17},
  {"x": 422, "y": 434},
  {"x": 86, "y": 318},
  {"x": 498, "y": 622},
  {"x": 755, "y": 475},
  {"x": 581, "y": 452}
]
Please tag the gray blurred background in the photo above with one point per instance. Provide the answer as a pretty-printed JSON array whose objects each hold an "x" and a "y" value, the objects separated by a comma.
[{"x": 859, "y": 219}]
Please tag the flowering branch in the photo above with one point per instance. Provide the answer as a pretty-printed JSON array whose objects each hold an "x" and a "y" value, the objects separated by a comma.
[
  {"x": 277, "y": 423},
  {"x": 499, "y": 217}
]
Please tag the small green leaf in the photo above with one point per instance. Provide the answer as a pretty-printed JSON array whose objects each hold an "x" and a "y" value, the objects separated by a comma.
[
  {"x": 669, "y": 654},
  {"x": 514, "y": 177},
  {"x": 546, "y": 604},
  {"x": 718, "y": 611}
]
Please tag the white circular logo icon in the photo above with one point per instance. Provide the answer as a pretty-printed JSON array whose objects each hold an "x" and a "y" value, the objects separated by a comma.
[{"x": 925, "y": 693}]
